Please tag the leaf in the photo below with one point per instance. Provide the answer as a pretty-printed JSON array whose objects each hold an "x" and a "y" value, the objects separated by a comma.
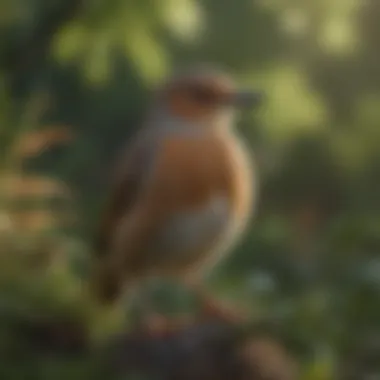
[
  {"x": 97, "y": 63},
  {"x": 145, "y": 51},
  {"x": 35, "y": 142},
  {"x": 291, "y": 105},
  {"x": 337, "y": 34},
  {"x": 70, "y": 42},
  {"x": 34, "y": 220},
  {"x": 183, "y": 18},
  {"x": 32, "y": 186}
]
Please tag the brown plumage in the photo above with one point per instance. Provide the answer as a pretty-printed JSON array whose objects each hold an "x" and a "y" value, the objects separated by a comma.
[{"x": 184, "y": 189}]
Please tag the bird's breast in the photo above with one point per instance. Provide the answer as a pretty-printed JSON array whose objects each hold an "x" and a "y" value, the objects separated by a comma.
[
  {"x": 195, "y": 170},
  {"x": 209, "y": 190},
  {"x": 191, "y": 231}
]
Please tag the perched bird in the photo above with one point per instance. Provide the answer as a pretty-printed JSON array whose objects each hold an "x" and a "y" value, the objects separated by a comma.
[{"x": 184, "y": 189}]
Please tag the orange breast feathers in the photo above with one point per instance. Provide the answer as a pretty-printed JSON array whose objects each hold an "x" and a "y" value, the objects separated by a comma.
[{"x": 190, "y": 171}]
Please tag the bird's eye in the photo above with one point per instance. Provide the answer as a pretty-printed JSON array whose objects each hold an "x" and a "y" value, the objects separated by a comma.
[{"x": 203, "y": 95}]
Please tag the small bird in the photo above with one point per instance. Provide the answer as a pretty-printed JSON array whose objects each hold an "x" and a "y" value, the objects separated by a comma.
[{"x": 184, "y": 189}]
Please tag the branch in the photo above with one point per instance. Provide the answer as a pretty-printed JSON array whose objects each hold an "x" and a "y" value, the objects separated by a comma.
[{"x": 198, "y": 349}]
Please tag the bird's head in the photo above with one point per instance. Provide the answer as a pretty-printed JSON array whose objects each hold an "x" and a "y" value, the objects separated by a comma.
[{"x": 204, "y": 97}]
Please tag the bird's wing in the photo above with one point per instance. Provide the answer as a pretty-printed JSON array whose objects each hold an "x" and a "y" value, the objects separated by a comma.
[{"x": 130, "y": 177}]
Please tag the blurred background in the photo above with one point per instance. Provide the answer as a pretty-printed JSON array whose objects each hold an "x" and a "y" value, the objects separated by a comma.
[{"x": 74, "y": 80}]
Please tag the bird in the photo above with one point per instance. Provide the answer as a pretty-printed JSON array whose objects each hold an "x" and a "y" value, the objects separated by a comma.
[{"x": 184, "y": 189}]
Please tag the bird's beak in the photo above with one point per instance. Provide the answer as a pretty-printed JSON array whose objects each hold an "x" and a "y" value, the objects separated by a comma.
[{"x": 246, "y": 98}]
